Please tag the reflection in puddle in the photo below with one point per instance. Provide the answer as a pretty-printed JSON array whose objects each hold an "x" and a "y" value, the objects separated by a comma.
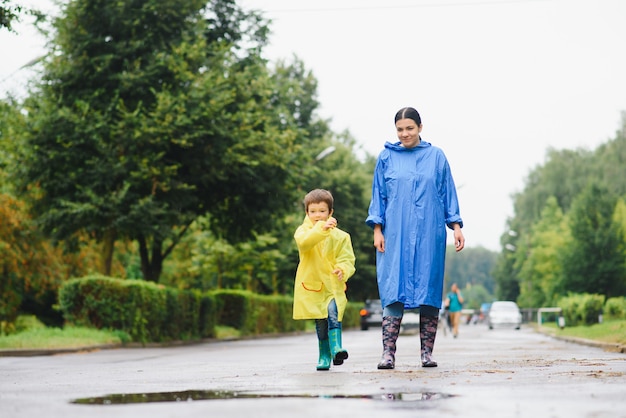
[{"x": 201, "y": 395}]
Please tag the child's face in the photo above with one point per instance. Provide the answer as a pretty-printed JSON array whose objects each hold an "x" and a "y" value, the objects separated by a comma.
[{"x": 318, "y": 212}]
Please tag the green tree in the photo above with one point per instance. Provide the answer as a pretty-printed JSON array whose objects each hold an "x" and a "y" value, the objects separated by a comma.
[
  {"x": 505, "y": 275},
  {"x": 594, "y": 259},
  {"x": 10, "y": 122},
  {"x": 541, "y": 268},
  {"x": 609, "y": 162},
  {"x": 31, "y": 267},
  {"x": 470, "y": 267},
  {"x": 266, "y": 263},
  {"x": 150, "y": 114},
  {"x": 9, "y": 14},
  {"x": 619, "y": 220},
  {"x": 564, "y": 176},
  {"x": 249, "y": 265}
]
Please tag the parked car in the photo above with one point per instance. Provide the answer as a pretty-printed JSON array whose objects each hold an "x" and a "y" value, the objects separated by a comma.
[
  {"x": 504, "y": 313},
  {"x": 371, "y": 314}
]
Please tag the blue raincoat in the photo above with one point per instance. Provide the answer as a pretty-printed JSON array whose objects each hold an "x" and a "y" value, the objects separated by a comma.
[{"x": 413, "y": 199}]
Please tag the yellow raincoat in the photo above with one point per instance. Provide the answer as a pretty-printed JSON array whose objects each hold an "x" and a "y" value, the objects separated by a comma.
[{"x": 321, "y": 252}]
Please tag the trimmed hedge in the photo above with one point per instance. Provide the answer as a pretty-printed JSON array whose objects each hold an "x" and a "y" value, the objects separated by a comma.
[
  {"x": 254, "y": 314},
  {"x": 154, "y": 313},
  {"x": 146, "y": 311}
]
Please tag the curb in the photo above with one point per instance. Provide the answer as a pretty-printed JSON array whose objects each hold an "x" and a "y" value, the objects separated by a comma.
[
  {"x": 30, "y": 352},
  {"x": 27, "y": 352},
  {"x": 612, "y": 347}
]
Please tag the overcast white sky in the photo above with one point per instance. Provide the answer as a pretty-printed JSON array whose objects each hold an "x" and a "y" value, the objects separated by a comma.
[{"x": 497, "y": 82}]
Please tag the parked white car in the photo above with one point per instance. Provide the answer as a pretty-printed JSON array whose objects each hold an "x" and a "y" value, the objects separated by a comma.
[{"x": 504, "y": 313}]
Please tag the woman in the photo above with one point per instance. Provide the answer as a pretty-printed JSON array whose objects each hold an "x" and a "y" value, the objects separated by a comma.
[
  {"x": 454, "y": 303},
  {"x": 413, "y": 200}
]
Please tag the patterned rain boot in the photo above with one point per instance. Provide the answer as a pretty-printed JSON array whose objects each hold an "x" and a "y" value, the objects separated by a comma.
[
  {"x": 391, "y": 330},
  {"x": 323, "y": 363},
  {"x": 337, "y": 352},
  {"x": 428, "y": 332}
]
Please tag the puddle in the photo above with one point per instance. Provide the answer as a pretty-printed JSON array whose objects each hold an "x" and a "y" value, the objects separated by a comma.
[{"x": 203, "y": 395}]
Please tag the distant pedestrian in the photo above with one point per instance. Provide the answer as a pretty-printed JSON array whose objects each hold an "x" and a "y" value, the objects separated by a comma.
[
  {"x": 443, "y": 321},
  {"x": 454, "y": 302},
  {"x": 413, "y": 201},
  {"x": 326, "y": 263}
]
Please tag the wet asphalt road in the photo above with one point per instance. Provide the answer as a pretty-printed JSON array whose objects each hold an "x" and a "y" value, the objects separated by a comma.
[{"x": 483, "y": 373}]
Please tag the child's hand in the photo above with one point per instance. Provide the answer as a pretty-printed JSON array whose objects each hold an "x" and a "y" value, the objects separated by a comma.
[
  {"x": 330, "y": 224},
  {"x": 339, "y": 274}
]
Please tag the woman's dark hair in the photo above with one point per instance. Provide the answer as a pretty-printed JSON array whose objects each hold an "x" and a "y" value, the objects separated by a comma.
[
  {"x": 318, "y": 196},
  {"x": 408, "y": 113}
]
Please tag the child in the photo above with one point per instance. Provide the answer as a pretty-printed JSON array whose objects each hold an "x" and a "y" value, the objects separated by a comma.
[{"x": 326, "y": 263}]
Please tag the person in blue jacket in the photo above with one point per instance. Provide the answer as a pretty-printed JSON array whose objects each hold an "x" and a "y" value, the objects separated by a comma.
[
  {"x": 454, "y": 304},
  {"x": 413, "y": 201}
]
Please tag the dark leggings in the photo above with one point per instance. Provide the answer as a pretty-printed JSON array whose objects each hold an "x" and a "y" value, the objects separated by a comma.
[{"x": 396, "y": 309}]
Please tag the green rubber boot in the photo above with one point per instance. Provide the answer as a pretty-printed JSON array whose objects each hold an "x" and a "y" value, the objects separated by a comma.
[
  {"x": 337, "y": 352},
  {"x": 324, "y": 360}
]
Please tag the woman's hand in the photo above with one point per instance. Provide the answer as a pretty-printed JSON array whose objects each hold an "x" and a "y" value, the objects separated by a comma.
[
  {"x": 459, "y": 239},
  {"x": 379, "y": 238}
]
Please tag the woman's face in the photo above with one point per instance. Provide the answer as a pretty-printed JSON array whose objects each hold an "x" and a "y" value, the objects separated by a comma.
[{"x": 408, "y": 132}]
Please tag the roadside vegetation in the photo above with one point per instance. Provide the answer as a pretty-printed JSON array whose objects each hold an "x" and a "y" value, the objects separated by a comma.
[
  {"x": 611, "y": 331},
  {"x": 36, "y": 336},
  {"x": 39, "y": 337}
]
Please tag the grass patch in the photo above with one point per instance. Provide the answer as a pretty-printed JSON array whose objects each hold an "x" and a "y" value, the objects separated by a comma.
[
  {"x": 226, "y": 333},
  {"x": 56, "y": 338},
  {"x": 609, "y": 331}
]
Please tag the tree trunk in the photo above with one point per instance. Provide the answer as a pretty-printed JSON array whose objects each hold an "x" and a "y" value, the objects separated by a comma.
[
  {"x": 156, "y": 263},
  {"x": 151, "y": 267},
  {"x": 108, "y": 248}
]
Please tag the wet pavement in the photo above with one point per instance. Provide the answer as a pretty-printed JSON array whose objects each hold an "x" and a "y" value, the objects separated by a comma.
[{"x": 482, "y": 373}]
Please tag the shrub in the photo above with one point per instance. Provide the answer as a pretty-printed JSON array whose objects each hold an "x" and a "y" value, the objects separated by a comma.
[
  {"x": 144, "y": 310},
  {"x": 254, "y": 314},
  {"x": 149, "y": 312},
  {"x": 26, "y": 322},
  {"x": 615, "y": 308},
  {"x": 582, "y": 308}
]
